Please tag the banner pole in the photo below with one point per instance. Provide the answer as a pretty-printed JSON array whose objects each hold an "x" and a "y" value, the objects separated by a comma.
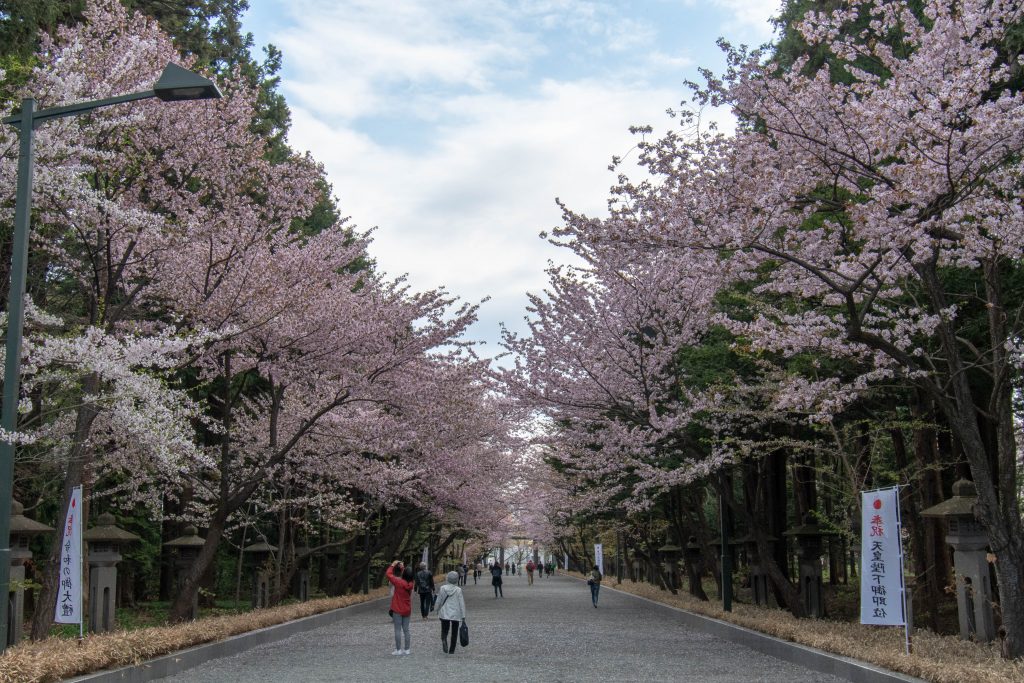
[
  {"x": 903, "y": 581},
  {"x": 81, "y": 568}
]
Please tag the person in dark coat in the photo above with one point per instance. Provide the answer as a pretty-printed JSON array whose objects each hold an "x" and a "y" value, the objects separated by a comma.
[
  {"x": 425, "y": 589},
  {"x": 594, "y": 581},
  {"x": 496, "y": 580}
]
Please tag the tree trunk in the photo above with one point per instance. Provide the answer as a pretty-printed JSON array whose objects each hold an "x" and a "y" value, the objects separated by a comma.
[
  {"x": 936, "y": 556},
  {"x": 776, "y": 504},
  {"x": 911, "y": 500},
  {"x": 756, "y": 523},
  {"x": 998, "y": 508}
]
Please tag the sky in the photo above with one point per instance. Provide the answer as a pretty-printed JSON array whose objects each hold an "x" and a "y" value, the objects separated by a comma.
[{"x": 451, "y": 126}]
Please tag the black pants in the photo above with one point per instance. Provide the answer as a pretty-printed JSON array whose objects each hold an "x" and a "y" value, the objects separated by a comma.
[
  {"x": 454, "y": 625},
  {"x": 425, "y": 603},
  {"x": 497, "y": 588}
]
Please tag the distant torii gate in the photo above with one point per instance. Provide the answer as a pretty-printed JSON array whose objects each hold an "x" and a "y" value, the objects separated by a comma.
[{"x": 522, "y": 538}]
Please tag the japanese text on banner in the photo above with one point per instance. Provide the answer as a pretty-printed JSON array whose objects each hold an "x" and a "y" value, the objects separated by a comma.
[
  {"x": 881, "y": 584},
  {"x": 599, "y": 557},
  {"x": 69, "y": 597}
]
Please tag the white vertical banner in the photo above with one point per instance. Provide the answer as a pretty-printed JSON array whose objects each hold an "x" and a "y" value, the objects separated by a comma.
[
  {"x": 464, "y": 558},
  {"x": 565, "y": 565},
  {"x": 599, "y": 557},
  {"x": 881, "y": 580},
  {"x": 425, "y": 559},
  {"x": 69, "y": 596}
]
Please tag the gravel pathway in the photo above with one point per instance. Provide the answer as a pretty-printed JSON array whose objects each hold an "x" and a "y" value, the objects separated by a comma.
[{"x": 545, "y": 632}]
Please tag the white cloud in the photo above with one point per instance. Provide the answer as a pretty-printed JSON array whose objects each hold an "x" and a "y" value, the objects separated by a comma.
[
  {"x": 359, "y": 50},
  {"x": 751, "y": 15},
  {"x": 434, "y": 122},
  {"x": 467, "y": 213}
]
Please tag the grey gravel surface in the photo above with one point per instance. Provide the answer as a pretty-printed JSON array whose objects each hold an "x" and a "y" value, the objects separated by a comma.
[{"x": 545, "y": 632}]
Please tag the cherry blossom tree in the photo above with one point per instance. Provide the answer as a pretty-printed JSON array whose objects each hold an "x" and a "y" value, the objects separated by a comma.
[
  {"x": 600, "y": 364},
  {"x": 93, "y": 226},
  {"x": 211, "y": 351},
  {"x": 891, "y": 206}
]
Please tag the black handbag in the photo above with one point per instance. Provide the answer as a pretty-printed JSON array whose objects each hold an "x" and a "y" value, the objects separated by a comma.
[{"x": 463, "y": 634}]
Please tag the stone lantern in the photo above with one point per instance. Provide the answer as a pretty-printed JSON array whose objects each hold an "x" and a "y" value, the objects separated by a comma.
[
  {"x": 632, "y": 564},
  {"x": 809, "y": 548},
  {"x": 671, "y": 552},
  {"x": 187, "y": 547},
  {"x": 734, "y": 557},
  {"x": 970, "y": 543},
  {"x": 105, "y": 541},
  {"x": 22, "y": 529},
  {"x": 300, "y": 585},
  {"x": 759, "y": 580},
  {"x": 693, "y": 557},
  {"x": 262, "y": 575},
  {"x": 331, "y": 571}
]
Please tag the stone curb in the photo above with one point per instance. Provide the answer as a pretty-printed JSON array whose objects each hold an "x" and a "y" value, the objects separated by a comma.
[
  {"x": 176, "y": 662},
  {"x": 795, "y": 653}
]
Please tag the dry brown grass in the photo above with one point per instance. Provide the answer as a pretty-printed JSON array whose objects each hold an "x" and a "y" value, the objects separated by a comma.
[
  {"x": 55, "y": 659},
  {"x": 942, "y": 659}
]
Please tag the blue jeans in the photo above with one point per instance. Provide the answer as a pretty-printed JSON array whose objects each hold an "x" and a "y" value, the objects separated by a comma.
[{"x": 594, "y": 588}]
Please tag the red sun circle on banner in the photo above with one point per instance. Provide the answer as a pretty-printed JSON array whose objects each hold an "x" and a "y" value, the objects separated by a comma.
[{"x": 878, "y": 503}]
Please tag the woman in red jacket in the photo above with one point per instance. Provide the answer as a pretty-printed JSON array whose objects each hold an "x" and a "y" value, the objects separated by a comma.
[{"x": 401, "y": 604}]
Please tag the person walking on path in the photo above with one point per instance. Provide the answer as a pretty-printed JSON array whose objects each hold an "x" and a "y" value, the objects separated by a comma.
[
  {"x": 425, "y": 589},
  {"x": 478, "y": 569},
  {"x": 401, "y": 577},
  {"x": 595, "y": 584},
  {"x": 530, "y": 566},
  {"x": 496, "y": 580},
  {"x": 460, "y": 571},
  {"x": 451, "y": 610}
]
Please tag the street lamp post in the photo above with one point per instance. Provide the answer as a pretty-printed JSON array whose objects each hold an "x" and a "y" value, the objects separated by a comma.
[
  {"x": 725, "y": 523},
  {"x": 175, "y": 84},
  {"x": 366, "y": 556}
]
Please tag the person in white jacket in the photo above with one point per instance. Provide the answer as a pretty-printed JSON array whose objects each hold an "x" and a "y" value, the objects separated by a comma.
[{"x": 451, "y": 610}]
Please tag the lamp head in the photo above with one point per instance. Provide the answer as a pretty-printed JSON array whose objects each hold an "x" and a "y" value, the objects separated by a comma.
[{"x": 178, "y": 84}]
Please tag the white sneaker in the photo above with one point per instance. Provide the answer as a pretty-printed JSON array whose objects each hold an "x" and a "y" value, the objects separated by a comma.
[
  {"x": 397, "y": 652},
  {"x": 406, "y": 652}
]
